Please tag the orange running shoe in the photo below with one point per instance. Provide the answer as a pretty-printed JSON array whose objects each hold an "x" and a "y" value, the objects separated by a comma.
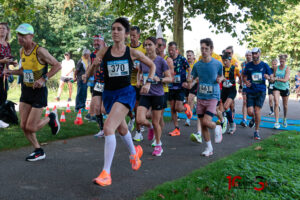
[
  {"x": 176, "y": 132},
  {"x": 139, "y": 150},
  {"x": 104, "y": 179},
  {"x": 135, "y": 162},
  {"x": 188, "y": 111}
]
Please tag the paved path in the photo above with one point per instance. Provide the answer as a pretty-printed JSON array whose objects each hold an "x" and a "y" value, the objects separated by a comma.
[{"x": 71, "y": 165}]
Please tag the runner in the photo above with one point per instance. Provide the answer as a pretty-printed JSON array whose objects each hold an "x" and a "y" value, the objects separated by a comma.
[
  {"x": 155, "y": 98},
  {"x": 208, "y": 73},
  {"x": 270, "y": 89},
  {"x": 281, "y": 77},
  {"x": 135, "y": 44},
  {"x": 297, "y": 84},
  {"x": 119, "y": 96},
  {"x": 228, "y": 93},
  {"x": 176, "y": 92},
  {"x": 255, "y": 75},
  {"x": 96, "y": 106},
  {"x": 35, "y": 61}
]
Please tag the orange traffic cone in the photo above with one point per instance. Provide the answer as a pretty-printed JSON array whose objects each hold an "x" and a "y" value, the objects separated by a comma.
[
  {"x": 68, "y": 109},
  {"x": 62, "y": 117},
  {"x": 87, "y": 107},
  {"x": 78, "y": 120},
  {"x": 47, "y": 112}
]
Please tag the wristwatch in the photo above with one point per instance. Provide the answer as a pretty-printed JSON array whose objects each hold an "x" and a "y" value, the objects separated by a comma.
[
  {"x": 149, "y": 80},
  {"x": 45, "y": 77}
]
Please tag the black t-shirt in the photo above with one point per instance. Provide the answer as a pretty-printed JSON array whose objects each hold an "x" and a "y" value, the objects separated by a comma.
[{"x": 117, "y": 70}]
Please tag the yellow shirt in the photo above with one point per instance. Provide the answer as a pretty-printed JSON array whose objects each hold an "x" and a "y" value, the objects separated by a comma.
[
  {"x": 166, "y": 87},
  {"x": 32, "y": 68},
  {"x": 136, "y": 63},
  {"x": 215, "y": 56}
]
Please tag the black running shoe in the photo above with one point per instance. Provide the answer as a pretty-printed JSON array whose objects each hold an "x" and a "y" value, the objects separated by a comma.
[
  {"x": 252, "y": 123},
  {"x": 36, "y": 155},
  {"x": 54, "y": 123}
]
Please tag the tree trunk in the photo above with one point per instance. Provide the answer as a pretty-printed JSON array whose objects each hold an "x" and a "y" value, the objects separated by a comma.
[{"x": 178, "y": 25}]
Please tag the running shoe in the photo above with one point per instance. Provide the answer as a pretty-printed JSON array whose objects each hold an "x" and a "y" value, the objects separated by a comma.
[
  {"x": 84, "y": 110},
  {"x": 142, "y": 128},
  {"x": 224, "y": 125},
  {"x": 139, "y": 150},
  {"x": 256, "y": 135},
  {"x": 284, "y": 124},
  {"x": 187, "y": 122},
  {"x": 244, "y": 123},
  {"x": 154, "y": 143},
  {"x": 271, "y": 113},
  {"x": 99, "y": 134},
  {"x": 232, "y": 128},
  {"x": 104, "y": 179},
  {"x": 207, "y": 152},
  {"x": 150, "y": 133},
  {"x": 138, "y": 137},
  {"x": 131, "y": 124},
  {"x": 157, "y": 151},
  {"x": 87, "y": 117},
  {"x": 69, "y": 99},
  {"x": 196, "y": 137},
  {"x": 218, "y": 134},
  {"x": 175, "y": 132},
  {"x": 188, "y": 111},
  {"x": 36, "y": 155},
  {"x": 276, "y": 125},
  {"x": 252, "y": 123},
  {"x": 54, "y": 123},
  {"x": 135, "y": 162},
  {"x": 93, "y": 119}
]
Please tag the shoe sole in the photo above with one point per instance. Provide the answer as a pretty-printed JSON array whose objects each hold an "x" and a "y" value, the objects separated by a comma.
[
  {"x": 99, "y": 184},
  {"x": 38, "y": 158},
  {"x": 158, "y": 154},
  {"x": 210, "y": 154}
]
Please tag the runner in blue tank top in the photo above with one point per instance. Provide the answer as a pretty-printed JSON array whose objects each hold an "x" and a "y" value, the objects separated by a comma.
[{"x": 119, "y": 96}]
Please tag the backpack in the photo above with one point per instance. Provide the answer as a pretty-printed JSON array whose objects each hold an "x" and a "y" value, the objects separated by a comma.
[{"x": 8, "y": 113}]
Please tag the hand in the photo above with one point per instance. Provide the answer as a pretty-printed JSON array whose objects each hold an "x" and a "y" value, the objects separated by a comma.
[
  {"x": 97, "y": 61},
  {"x": 267, "y": 76},
  {"x": 156, "y": 79},
  {"x": 7, "y": 72},
  {"x": 248, "y": 83},
  {"x": 145, "y": 89},
  {"x": 6, "y": 60},
  {"x": 185, "y": 85},
  {"x": 138, "y": 84},
  {"x": 75, "y": 79},
  {"x": 39, "y": 83},
  {"x": 219, "y": 79},
  {"x": 83, "y": 78}
]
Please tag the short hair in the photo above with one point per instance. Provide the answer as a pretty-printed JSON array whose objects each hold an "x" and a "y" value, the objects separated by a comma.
[
  {"x": 152, "y": 39},
  {"x": 208, "y": 42},
  {"x": 274, "y": 60},
  {"x": 67, "y": 54},
  {"x": 136, "y": 28},
  {"x": 226, "y": 56},
  {"x": 190, "y": 51},
  {"x": 125, "y": 23},
  {"x": 283, "y": 56},
  {"x": 163, "y": 40},
  {"x": 7, "y": 37},
  {"x": 248, "y": 52},
  {"x": 172, "y": 44},
  {"x": 229, "y": 48},
  {"x": 86, "y": 51}
]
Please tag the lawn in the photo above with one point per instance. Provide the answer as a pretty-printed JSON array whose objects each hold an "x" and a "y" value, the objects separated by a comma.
[{"x": 276, "y": 160}]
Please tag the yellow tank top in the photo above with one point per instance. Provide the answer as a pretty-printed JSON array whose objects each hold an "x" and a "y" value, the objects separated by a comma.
[
  {"x": 136, "y": 63},
  {"x": 32, "y": 68},
  {"x": 166, "y": 88}
]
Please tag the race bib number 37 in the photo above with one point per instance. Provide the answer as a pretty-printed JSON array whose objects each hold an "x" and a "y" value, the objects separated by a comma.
[
  {"x": 118, "y": 68},
  {"x": 28, "y": 76}
]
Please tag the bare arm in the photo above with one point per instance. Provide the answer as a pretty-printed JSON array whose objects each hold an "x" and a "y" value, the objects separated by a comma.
[
  {"x": 8, "y": 72},
  {"x": 46, "y": 57},
  {"x": 99, "y": 56},
  {"x": 167, "y": 77}
]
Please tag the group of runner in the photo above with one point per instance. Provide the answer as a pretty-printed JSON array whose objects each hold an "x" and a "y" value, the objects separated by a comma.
[{"x": 138, "y": 80}]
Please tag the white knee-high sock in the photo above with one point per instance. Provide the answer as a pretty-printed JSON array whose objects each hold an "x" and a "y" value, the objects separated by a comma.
[
  {"x": 109, "y": 150},
  {"x": 127, "y": 139}
]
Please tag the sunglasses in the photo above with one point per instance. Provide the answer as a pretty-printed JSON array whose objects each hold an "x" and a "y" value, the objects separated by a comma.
[{"x": 160, "y": 45}]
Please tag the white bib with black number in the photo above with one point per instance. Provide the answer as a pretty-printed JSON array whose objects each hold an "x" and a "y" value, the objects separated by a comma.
[
  {"x": 205, "y": 89},
  {"x": 118, "y": 68},
  {"x": 28, "y": 76},
  {"x": 227, "y": 84},
  {"x": 177, "y": 79},
  {"x": 257, "y": 77},
  {"x": 99, "y": 87}
]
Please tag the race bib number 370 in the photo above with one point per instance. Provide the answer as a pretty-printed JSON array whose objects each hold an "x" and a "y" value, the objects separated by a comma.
[
  {"x": 118, "y": 68},
  {"x": 28, "y": 76}
]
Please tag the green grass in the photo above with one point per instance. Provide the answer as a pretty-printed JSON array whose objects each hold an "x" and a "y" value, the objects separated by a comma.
[{"x": 276, "y": 159}]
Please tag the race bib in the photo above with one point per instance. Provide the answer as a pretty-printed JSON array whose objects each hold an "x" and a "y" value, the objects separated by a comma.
[
  {"x": 227, "y": 84},
  {"x": 257, "y": 77},
  {"x": 99, "y": 87},
  {"x": 28, "y": 76},
  {"x": 118, "y": 68},
  {"x": 205, "y": 89},
  {"x": 136, "y": 64},
  {"x": 177, "y": 79},
  {"x": 271, "y": 86}
]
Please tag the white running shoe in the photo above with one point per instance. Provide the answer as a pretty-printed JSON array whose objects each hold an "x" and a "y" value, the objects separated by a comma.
[
  {"x": 208, "y": 152},
  {"x": 276, "y": 125},
  {"x": 187, "y": 122},
  {"x": 99, "y": 134},
  {"x": 196, "y": 137},
  {"x": 232, "y": 128},
  {"x": 224, "y": 127},
  {"x": 138, "y": 137},
  {"x": 218, "y": 134}
]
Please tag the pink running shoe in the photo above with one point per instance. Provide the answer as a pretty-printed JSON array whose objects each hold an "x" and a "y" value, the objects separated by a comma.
[
  {"x": 157, "y": 151},
  {"x": 150, "y": 133}
]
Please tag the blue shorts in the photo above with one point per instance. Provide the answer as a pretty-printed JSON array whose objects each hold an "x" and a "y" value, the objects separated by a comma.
[
  {"x": 125, "y": 96},
  {"x": 256, "y": 99}
]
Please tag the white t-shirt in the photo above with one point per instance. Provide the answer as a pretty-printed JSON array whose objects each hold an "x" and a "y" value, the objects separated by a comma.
[{"x": 67, "y": 66}]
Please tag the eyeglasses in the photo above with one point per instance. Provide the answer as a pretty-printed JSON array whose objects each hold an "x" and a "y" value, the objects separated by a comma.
[{"x": 160, "y": 45}]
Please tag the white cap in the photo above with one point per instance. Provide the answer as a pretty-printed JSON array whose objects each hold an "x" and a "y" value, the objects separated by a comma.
[{"x": 255, "y": 50}]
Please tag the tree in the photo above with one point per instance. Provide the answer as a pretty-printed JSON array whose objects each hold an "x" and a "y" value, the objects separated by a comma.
[{"x": 175, "y": 14}]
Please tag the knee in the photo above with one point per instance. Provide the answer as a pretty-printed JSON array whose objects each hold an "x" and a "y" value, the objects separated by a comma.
[
  {"x": 23, "y": 127},
  {"x": 140, "y": 119},
  {"x": 30, "y": 128},
  {"x": 250, "y": 112}
]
